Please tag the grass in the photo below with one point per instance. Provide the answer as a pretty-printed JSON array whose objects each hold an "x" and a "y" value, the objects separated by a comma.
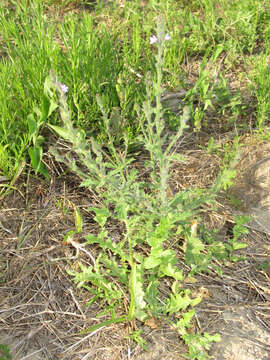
[
  {"x": 114, "y": 110},
  {"x": 101, "y": 53}
]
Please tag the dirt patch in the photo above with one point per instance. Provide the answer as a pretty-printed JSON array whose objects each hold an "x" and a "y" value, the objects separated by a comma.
[
  {"x": 237, "y": 304},
  {"x": 243, "y": 336},
  {"x": 253, "y": 185},
  {"x": 163, "y": 343}
]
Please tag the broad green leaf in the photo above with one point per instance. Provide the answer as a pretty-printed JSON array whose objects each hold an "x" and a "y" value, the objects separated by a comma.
[
  {"x": 43, "y": 170},
  {"x": 53, "y": 107},
  {"x": 32, "y": 124},
  {"x": 37, "y": 111},
  {"x": 194, "y": 252},
  {"x": 63, "y": 132},
  {"x": 35, "y": 154},
  {"x": 49, "y": 84},
  {"x": 132, "y": 290},
  {"x": 89, "y": 183},
  {"x": 151, "y": 262},
  {"x": 137, "y": 303},
  {"x": 208, "y": 103},
  {"x": 211, "y": 338},
  {"x": 158, "y": 256},
  {"x": 45, "y": 108},
  {"x": 116, "y": 270}
]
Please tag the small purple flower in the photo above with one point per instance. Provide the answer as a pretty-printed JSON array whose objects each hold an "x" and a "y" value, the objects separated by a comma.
[
  {"x": 63, "y": 87},
  {"x": 167, "y": 37},
  {"x": 153, "y": 39}
]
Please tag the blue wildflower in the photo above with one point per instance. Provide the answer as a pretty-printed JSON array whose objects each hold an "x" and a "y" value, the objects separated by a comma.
[
  {"x": 167, "y": 37},
  {"x": 63, "y": 87}
]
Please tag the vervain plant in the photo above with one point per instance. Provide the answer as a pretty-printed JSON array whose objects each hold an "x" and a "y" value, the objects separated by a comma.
[{"x": 130, "y": 268}]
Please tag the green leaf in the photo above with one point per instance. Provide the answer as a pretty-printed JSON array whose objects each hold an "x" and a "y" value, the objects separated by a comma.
[
  {"x": 40, "y": 140},
  {"x": 45, "y": 108},
  {"x": 177, "y": 157},
  {"x": 32, "y": 124},
  {"x": 116, "y": 270},
  {"x": 217, "y": 51},
  {"x": 69, "y": 235},
  {"x": 194, "y": 252},
  {"x": 137, "y": 303},
  {"x": 185, "y": 321},
  {"x": 122, "y": 211},
  {"x": 35, "y": 154},
  {"x": 53, "y": 107},
  {"x": 63, "y": 132},
  {"x": 170, "y": 270},
  {"x": 77, "y": 219},
  {"x": 152, "y": 261},
  {"x": 225, "y": 179},
  {"x": 49, "y": 84},
  {"x": 106, "y": 288},
  {"x": 89, "y": 183},
  {"x": 92, "y": 239},
  {"x": 238, "y": 245},
  {"x": 104, "y": 323},
  {"x": 102, "y": 215},
  {"x": 37, "y": 111},
  {"x": 43, "y": 170},
  {"x": 180, "y": 301},
  {"x": 208, "y": 103}
]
